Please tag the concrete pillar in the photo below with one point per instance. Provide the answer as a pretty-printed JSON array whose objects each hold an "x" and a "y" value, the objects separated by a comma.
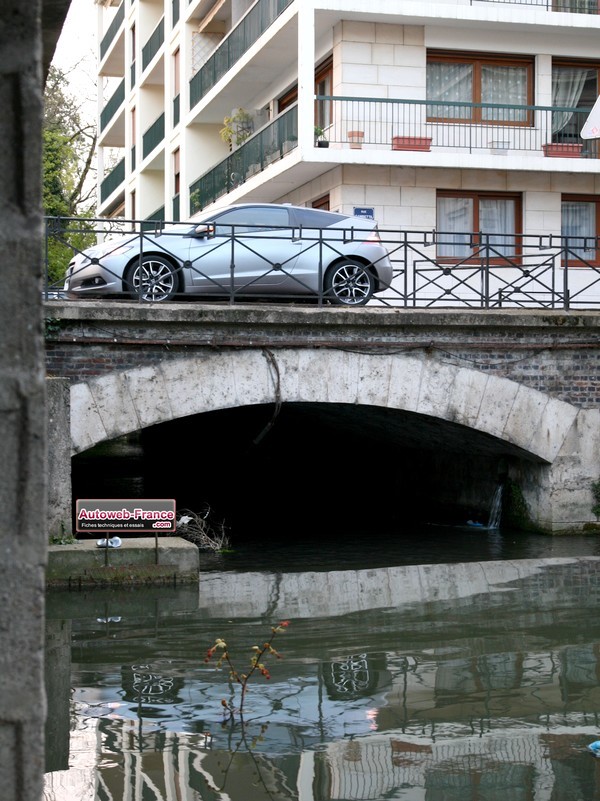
[
  {"x": 22, "y": 413},
  {"x": 59, "y": 458}
]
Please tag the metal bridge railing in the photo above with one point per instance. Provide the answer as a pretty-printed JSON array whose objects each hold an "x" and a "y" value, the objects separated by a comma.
[{"x": 431, "y": 269}]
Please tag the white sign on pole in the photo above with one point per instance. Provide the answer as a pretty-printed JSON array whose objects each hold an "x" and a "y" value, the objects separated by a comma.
[{"x": 591, "y": 127}]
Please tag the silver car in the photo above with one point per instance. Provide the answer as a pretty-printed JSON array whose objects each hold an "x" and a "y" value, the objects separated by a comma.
[{"x": 241, "y": 252}]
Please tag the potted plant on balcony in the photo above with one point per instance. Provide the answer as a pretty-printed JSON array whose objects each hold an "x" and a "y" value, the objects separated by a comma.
[
  {"x": 320, "y": 140},
  {"x": 356, "y": 139},
  {"x": 564, "y": 150},
  {"x": 237, "y": 127}
]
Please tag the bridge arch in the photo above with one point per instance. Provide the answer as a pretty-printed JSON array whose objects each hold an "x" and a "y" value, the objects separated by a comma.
[{"x": 109, "y": 406}]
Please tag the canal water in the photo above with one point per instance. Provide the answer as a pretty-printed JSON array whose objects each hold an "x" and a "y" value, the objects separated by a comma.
[{"x": 465, "y": 667}]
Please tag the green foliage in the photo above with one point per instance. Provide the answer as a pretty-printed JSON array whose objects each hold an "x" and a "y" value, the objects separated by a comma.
[
  {"x": 596, "y": 496},
  {"x": 63, "y": 241},
  {"x": 236, "y": 128},
  {"x": 68, "y": 186},
  {"x": 515, "y": 513}
]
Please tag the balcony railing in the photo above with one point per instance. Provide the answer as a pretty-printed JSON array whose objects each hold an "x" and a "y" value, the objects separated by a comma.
[
  {"x": 113, "y": 180},
  {"x": 495, "y": 271},
  {"x": 153, "y": 44},
  {"x": 424, "y": 125},
  {"x": 112, "y": 29},
  {"x": 568, "y": 6},
  {"x": 270, "y": 144},
  {"x": 153, "y": 136},
  {"x": 114, "y": 103},
  {"x": 238, "y": 41}
]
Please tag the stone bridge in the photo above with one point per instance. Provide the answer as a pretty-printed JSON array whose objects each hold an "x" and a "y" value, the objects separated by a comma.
[{"x": 471, "y": 394}]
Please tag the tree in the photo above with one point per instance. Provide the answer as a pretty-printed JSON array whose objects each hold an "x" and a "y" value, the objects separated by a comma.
[{"x": 68, "y": 181}]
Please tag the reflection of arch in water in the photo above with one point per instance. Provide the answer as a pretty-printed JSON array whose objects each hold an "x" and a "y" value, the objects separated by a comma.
[
  {"x": 355, "y": 676},
  {"x": 149, "y": 684}
]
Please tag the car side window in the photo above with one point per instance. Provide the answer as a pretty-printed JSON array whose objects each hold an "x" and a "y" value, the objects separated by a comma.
[{"x": 250, "y": 220}]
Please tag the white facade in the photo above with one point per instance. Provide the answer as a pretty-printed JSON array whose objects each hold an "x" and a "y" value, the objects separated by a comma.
[{"x": 496, "y": 65}]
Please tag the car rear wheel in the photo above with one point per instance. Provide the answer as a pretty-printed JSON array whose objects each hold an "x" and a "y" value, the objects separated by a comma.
[
  {"x": 349, "y": 283},
  {"x": 153, "y": 280}
]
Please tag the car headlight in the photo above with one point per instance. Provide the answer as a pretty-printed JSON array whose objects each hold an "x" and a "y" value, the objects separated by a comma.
[{"x": 108, "y": 248}]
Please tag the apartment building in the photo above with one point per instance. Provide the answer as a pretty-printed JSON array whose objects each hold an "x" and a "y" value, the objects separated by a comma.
[{"x": 455, "y": 116}]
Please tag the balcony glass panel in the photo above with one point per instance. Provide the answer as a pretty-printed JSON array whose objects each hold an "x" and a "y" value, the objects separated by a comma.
[
  {"x": 240, "y": 38},
  {"x": 176, "y": 105},
  {"x": 112, "y": 181},
  {"x": 270, "y": 144},
  {"x": 153, "y": 44},
  {"x": 112, "y": 29},
  {"x": 112, "y": 106},
  {"x": 153, "y": 136}
]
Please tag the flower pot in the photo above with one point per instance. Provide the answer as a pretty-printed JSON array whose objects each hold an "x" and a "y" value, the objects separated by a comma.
[
  {"x": 356, "y": 139},
  {"x": 411, "y": 143},
  {"x": 562, "y": 150},
  {"x": 322, "y": 143}
]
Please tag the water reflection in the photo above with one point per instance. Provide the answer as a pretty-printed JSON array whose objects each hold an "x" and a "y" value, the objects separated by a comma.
[{"x": 432, "y": 683}]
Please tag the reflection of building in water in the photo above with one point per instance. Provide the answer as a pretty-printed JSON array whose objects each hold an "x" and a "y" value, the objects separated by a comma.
[
  {"x": 509, "y": 764},
  {"x": 112, "y": 761}
]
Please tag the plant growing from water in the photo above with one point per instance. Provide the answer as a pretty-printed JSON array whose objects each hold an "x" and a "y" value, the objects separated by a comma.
[{"x": 257, "y": 665}]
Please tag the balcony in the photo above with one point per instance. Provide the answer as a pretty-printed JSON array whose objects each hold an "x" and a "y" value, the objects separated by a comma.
[
  {"x": 425, "y": 125},
  {"x": 568, "y": 6},
  {"x": 270, "y": 144},
  {"x": 153, "y": 136},
  {"x": 111, "y": 32},
  {"x": 238, "y": 41},
  {"x": 154, "y": 43},
  {"x": 112, "y": 106},
  {"x": 113, "y": 181}
]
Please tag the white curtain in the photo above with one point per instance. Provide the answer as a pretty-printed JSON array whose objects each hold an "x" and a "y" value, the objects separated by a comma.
[
  {"x": 497, "y": 217},
  {"x": 453, "y": 83},
  {"x": 507, "y": 86},
  {"x": 455, "y": 221},
  {"x": 578, "y": 220},
  {"x": 455, "y": 224},
  {"x": 567, "y": 86}
]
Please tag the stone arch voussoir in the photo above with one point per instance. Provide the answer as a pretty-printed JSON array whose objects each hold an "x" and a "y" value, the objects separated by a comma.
[{"x": 105, "y": 407}]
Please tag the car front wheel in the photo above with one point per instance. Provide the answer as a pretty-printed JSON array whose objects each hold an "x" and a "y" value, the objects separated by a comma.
[
  {"x": 153, "y": 280},
  {"x": 349, "y": 283}
]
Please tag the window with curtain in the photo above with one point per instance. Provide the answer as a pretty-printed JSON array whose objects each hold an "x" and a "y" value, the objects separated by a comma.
[
  {"x": 574, "y": 92},
  {"x": 462, "y": 217},
  {"x": 459, "y": 87},
  {"x": 580, "y": 224}
]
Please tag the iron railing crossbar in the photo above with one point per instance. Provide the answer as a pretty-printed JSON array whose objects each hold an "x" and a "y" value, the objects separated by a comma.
[{"x": 525, "y": 271}]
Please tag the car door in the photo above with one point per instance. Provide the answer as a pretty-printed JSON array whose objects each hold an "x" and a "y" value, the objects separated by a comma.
[{"x": 254, "y": 244}]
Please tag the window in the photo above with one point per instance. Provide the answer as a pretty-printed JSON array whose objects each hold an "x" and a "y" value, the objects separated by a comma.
[
  {"x": 574, "y": 86},
  {"x": 323, "y": 86},
  {"x": 580, "y": 223},
  {"x": 250, "y": 219},
  {"x": 176, "y": 171},
  {"x": 463, "y": 216},
  {"x": 176, "y": 72},
  {"x": 458, "y": 84},
  {"x": 321, "y": 203}
]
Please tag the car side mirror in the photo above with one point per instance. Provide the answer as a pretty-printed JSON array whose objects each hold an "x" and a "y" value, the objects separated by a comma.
[{"x": 204, "y": 230}]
